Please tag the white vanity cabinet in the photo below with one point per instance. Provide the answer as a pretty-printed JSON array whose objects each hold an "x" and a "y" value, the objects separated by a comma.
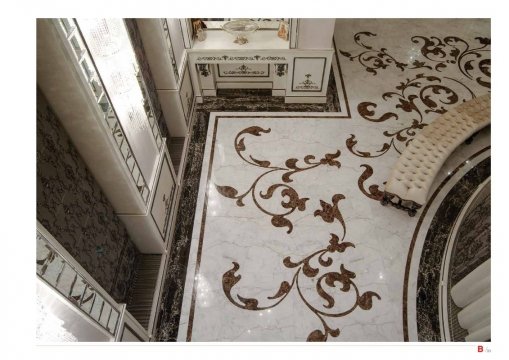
[
  {"x": 298, "y": 75},
  {"x": 295, "y": 68}
]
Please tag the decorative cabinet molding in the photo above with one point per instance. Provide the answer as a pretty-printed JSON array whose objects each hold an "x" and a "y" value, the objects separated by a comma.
[
  {"x": 204, "y": 69},
  {"x": 281, "y": 69},
  {"x": 229, "y": 58},
  {"x": 243, "y": 70}
]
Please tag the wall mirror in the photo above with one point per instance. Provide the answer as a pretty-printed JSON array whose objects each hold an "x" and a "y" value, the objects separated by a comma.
[{"x": 263, "y": 24}]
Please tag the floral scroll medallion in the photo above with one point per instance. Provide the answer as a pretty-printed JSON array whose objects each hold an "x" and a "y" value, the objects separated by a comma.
[
  {"x": 412, "y": 101},
  {"x": 473, "y": 61},
  {"x": 291, "y": 199},
  {"x": 331, "y": 280},
  {"x": 377, "y": 59}
]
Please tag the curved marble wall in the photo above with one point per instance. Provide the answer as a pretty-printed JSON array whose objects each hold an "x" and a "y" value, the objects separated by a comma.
[
  {"x": 428, "y": 281},
  {"x": 473, "y": 242},
  {"x": 72, "y": 207},
  {"x": 471, "y": 248}
]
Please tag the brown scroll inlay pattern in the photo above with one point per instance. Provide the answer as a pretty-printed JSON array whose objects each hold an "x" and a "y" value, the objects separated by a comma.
[
  {"x": 291, "y": 199},
  {"x": 375, "y": 59},
  {"x": 414, "y": 99},
  {"x": 325, "y": 280},
  {"x": 373, "y": 191},
  {"x": 452, "y": 50}
]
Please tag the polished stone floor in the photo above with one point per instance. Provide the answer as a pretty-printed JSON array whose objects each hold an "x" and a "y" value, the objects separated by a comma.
[{"x": 289, "y": 241}]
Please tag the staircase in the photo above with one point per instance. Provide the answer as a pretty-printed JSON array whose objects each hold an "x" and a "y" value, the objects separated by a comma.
[{"x": 140, "y": 302}]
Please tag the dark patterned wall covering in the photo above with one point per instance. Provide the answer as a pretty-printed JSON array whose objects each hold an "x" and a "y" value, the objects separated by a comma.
[
  {"x": 134, "y": 34},
  {"x": 72, "y": 207}
]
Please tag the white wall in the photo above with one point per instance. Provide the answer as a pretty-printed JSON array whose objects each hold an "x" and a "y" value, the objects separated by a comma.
[
  {"x": 158, "y": 57},
  {"x": 315, "y": 33}
]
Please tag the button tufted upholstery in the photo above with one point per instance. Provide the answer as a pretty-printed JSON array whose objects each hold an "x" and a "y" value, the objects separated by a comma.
[{"x": 412, "y": 176}]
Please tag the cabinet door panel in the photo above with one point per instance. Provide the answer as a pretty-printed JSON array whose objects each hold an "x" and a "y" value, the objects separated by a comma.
[
  {"x": 163, "y": 199},
  {"x": 186, "y": 94},
  {"x": 308, "y": 74}
]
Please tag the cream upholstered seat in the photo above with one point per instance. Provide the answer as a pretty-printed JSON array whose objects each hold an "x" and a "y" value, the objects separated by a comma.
[{"x": 412, "y": 176}]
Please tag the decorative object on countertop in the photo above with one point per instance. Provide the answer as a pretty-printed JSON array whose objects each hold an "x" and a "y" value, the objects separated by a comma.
[
  {"x": 240, "y": 29},
  {"x": 282, "y": 31},
  {"x": 198, "y": 32}
]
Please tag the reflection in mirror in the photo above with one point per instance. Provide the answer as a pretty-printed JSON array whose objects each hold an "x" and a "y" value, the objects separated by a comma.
[{"x": 264, "y": 24}]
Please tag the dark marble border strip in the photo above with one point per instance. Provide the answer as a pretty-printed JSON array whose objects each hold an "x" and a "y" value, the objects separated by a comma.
[
  {"x": 202, "y": 233},
  {"x": 414, "y": 238},
  {"x": 348, "y": 114}
]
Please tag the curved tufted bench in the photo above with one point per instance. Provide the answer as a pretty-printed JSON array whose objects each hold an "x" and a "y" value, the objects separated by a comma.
[{"x": 411, "y": 178}]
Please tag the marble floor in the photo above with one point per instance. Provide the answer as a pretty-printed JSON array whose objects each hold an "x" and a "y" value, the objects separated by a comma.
[{"x": 289, "y": 241}]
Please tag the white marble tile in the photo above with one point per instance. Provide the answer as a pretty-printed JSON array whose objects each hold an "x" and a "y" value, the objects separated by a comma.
[
  {"x": 382, "y": 235},
  {"x": 246, "y": 236}
]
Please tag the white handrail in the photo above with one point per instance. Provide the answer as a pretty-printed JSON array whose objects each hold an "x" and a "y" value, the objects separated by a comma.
[{"x": 118, "y": 310}]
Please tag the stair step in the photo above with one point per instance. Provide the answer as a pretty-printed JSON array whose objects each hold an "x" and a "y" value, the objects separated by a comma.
[{"x": 140, "y": 301}]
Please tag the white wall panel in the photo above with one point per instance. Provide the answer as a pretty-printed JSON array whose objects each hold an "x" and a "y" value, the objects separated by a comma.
[
  {"x": 177, "y": 41},
  {"x": 315, "y": 33}
]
